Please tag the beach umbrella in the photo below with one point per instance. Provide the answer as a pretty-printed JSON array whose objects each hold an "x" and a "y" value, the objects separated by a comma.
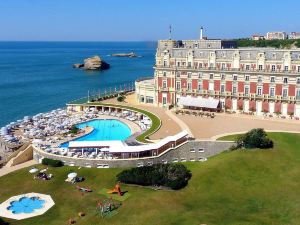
[
  {"x": 72, "y": 175},
  {"x": 33, "y": 170}
]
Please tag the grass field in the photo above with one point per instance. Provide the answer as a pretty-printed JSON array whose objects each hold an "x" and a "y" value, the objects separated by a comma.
[{"x": 259, "y": 187}]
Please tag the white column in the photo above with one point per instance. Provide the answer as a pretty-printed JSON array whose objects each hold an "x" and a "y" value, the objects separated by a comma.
[
  {"x": 297, "y": 110},
  {"x": 284, "y": 109},
  {"x": 246, "y": 105},
  {"x": 271, "y": 107},
  {"x": 258, "y": 107},
  {"x": 234, "y": 104}
]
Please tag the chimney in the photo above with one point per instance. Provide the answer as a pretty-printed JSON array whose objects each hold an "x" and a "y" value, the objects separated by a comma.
[{"x": 201, "y": 33}]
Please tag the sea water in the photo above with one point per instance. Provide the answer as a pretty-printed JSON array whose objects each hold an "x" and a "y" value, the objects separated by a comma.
[{"x": 38, "y": 76}]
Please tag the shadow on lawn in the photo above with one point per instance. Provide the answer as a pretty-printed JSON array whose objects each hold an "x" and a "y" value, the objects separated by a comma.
[{"x": 3, "y": 223}]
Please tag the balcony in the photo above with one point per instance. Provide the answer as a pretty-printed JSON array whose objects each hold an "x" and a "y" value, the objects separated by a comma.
[{"x": 214, "y": 69}]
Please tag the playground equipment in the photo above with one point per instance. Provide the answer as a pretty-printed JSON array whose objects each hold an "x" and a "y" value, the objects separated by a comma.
[
  {"x": 83, "y": 189},
  {"x": 116, "y": 190},
  {"x": 106, "y": 207}
]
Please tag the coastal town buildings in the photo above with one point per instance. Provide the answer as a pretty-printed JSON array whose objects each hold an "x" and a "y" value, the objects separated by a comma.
[
  {"x": 278, "y": 35},
  {"x": 257, "y": 37},
  {"x": 215, "y": 75},
  {"x": 294, "y": 35}
]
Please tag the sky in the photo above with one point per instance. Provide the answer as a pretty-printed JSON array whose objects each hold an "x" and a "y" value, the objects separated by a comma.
[{"x": 143, "y": 20}]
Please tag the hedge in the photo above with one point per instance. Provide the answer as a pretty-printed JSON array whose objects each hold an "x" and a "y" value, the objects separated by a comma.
[
  {"x": 52, "y": 162},
  {"x": 174, "y": 176}
]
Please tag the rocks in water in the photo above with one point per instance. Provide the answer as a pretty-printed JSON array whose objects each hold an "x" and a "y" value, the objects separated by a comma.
[
  {"x": 93, "y": 63},
  {"x": 130, "y": 55}
]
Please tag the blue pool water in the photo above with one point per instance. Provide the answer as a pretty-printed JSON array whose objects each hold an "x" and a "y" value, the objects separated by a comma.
[
  {"x": 26, "y": 205},
  {"x": 104, "y": 130}
]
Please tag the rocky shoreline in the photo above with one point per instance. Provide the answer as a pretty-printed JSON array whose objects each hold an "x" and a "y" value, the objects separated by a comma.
[{"x": 129, "y": 55}]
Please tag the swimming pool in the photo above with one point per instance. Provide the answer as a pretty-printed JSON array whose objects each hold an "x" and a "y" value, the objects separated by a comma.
[
  {"x": 104, "y": 130},
  {"x": 26, "y": 205}
]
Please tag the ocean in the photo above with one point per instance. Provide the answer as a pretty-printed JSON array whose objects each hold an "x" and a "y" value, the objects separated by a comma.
[{"x": 38, "y": 76}]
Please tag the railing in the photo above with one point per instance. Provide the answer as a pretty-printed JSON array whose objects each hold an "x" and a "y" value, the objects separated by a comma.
[{"x": 227, "y": 69}]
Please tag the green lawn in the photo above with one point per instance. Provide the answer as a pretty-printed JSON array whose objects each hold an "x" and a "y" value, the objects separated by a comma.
[{"x": 235, "y": 188}]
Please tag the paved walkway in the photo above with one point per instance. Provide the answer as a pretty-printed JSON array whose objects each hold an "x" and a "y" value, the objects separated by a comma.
[
  {"x": 182, "y": 125},
  {"x": 6, "y": 170}
]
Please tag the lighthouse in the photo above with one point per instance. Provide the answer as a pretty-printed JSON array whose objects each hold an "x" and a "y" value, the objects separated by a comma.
[{"x": 201, "y": 33}]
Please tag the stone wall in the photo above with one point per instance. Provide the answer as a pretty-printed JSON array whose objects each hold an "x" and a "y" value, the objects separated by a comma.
[{"x": 192, "y": 150}]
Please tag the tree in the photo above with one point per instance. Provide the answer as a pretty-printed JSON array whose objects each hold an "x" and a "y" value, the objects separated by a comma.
[
  {"x": 121, "y": 98},
  {"x": 255, "y": 138}
]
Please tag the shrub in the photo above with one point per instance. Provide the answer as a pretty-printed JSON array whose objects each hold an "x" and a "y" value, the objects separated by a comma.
[
  {"x": 255, "y": 138},
  {"x": 74, "y": 129},
  {"x": 174, "y": 176},
  {"x": 52, "y": 162},
  {"x": 121, "y": 98}
]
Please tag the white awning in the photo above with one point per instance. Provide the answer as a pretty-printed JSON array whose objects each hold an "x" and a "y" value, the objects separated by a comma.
[{"x": 199, "y": 102}]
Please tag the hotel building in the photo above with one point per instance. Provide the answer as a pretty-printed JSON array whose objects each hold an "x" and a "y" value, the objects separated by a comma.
[{"x": 241, "y": 79}]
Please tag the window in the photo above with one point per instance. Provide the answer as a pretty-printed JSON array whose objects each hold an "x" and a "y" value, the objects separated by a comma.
[
  {"x": 189, "y": 64},
  {"x": 258, "y": 92},
  {"x": 234, "y": 90},
  {"x": 259, "y": 79},
  {"x": 189, "y": 86},
  {"x": 164, "y": 84},
  {"x": 164, "y": 100},
  {"x": 274, "y": 55},
  {"x": 192, "y": 150},
  {"x": 189, "y": 75},
  {"x": 260, "y": 67},
  {"x": 177, "y": 74},
  {"x": 183, "y": 159},
  {"x": 165, "y": 73},
  {"x": 211, "y": 76},
  {"x": 285, "y": 80},
  {"x": 272, "y": 92},
  {"x": 223, "y": 76},
  {"x": 298, "y": 94},
  {"x": 286, "y": 68},
  {"x": 175, "y": 160},
  {"x": 199, "y": 75},
  {"x": 247, "y": 78},
  {"x": 142, "y": 99},
  {"x": 298, "y": 80},
  {"x": 178, "y": 64},
  {"x": 273, "y": 68},
  {"x": 222, "y": 88},
  {"x": 177, "y": 86},
  {"x": 165, "y": 63},
  {"x": 149, "y": 99},
  {"x": 200, "y": 65},
  {"x": 223, "y": 66},
  {"x": 284, "y": 92},
  {"x": 272, "y": 79},
  {"x": 246, "y": 90},
  {"x": 298, "y": 68},
  {"x": 201, "y": 149},
  {"x": 199, "y": 86},
  {"x": 247, "y": 67},
  {"x": 234, "y": 77},
  {"x": 211, "y": 65}
]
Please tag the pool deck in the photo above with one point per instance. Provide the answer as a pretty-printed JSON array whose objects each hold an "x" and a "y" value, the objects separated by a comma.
[{"x": 4, "y": 212}]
